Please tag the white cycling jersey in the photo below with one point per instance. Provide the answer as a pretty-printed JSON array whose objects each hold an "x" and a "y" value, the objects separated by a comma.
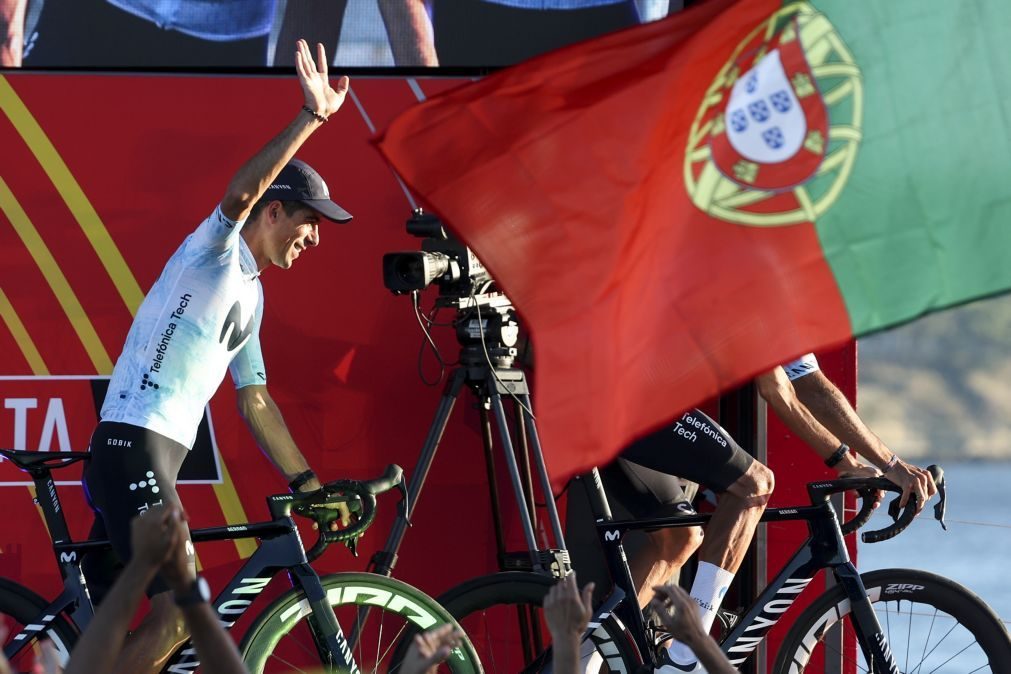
[
  {"x": 804, "y": 365},
  {"x": 201, "y": 317}
]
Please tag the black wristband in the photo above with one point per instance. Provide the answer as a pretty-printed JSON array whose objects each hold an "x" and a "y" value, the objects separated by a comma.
[
  {"x": 837, "y": 456},
  {"x": 318, "y": 117},
  {"x": 197, "y": 593},
  {"x": 300, "y": 479}
]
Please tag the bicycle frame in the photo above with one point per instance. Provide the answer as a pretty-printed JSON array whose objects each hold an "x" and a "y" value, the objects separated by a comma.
[
  {"x": 823, "y": 549},
  {"x": 280, "y": 549}
]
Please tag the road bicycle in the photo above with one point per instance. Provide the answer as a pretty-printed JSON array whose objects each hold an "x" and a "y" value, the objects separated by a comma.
[
  {"x": 886, "y": 621},
  {"x": 302, "y": 630}
]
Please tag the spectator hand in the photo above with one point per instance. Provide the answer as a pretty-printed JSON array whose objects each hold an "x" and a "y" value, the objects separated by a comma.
[
  {"x": 566, "y": 610},
  {"x": 5, "y": 667},
  {"x": 152, "y": 535},
  {"x": 49, "y": 661},
  {"x": 178, "y": 567},
  {"x": 320, "y": 96},
  {"x": 678, "y": 613},
  {"x": 430, "y": 648}
]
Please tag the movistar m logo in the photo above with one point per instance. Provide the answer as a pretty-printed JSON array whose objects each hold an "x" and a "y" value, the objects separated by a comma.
[{"x": 238, "y": 336}]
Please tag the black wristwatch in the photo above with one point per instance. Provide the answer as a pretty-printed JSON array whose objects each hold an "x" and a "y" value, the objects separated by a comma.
[{"x": 198, "y": 592}]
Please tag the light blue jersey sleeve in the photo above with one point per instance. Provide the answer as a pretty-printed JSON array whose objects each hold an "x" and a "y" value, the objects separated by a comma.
[
  {"x": 247, "y": 366},
  {"x": 217, "y": 233},
  {"x": 804, "y": 365}
]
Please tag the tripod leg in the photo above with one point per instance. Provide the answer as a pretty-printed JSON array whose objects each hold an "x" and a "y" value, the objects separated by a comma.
[
  {"x": 524, "y": 454},
  {"x": 384, "y": 560},
  {"x": 489, "y": 459},
  {"x": 535, "y": 448},
  {"x": 514, "y": 473}
]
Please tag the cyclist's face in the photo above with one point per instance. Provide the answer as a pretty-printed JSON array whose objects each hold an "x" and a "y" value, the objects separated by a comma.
[{"x": 293, "y": 234}]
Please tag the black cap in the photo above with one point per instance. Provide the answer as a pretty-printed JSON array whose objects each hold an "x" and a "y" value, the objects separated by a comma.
[{"x": 298, "y": 181}]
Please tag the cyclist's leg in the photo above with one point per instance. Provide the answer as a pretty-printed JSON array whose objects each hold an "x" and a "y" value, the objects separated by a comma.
[
  {"x": 131, "y": 470},
  {"x": 698, "y": 449},
  {"x": 650, "y": 493}
]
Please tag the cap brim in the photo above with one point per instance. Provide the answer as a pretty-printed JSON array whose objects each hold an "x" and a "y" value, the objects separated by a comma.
[{"x": 328, "y": 209}]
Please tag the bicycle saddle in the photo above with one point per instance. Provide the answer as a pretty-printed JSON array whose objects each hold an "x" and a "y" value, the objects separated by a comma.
[{"x": 28, "y": 460}]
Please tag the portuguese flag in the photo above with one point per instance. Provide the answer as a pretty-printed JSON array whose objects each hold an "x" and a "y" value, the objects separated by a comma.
[{"x": 680, "y": 206}]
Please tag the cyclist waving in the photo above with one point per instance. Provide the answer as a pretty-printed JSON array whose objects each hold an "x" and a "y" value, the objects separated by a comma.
[{"x": 201, "y": 317}]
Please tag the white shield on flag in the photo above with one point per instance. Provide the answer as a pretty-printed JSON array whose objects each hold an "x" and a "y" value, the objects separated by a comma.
[{"x": 764, "y": 120}]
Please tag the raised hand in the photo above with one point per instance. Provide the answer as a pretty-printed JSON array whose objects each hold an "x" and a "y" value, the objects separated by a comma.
[
  {"x": 5, "y": 667},
  {"x": 178, "y": 568},
  {"x": 152, "y": 535},
  {"x": 320, "y": 96},
  {"x": 566, "y": 610},
  {"x": 431, "y": 648},
  {"x": 678, "y": 613}
]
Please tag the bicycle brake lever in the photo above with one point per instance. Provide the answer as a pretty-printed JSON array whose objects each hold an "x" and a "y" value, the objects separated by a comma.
[
  {"x": 352, "y": 544},
  {"x": 893, "y": 508},
  {"x": 404, "y": 500},
  {"x": 940, "y": 506}
]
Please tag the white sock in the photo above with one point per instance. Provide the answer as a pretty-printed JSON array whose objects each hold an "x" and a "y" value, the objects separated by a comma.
[
  {"x": 590, "y": 660},
  {"x": 708, "y": 589}
]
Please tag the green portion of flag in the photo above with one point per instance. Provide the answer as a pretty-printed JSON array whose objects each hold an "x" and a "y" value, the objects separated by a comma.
[{"x": 924, "y": 220}]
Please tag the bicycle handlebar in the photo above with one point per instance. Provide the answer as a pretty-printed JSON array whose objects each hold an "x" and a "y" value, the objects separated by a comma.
[
  {"x": 360, "y": 495},
  {"x": 867, "y": 490}
]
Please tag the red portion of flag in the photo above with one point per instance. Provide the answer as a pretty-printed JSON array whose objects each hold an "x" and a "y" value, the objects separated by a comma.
[{"x": 566, "y": 175}]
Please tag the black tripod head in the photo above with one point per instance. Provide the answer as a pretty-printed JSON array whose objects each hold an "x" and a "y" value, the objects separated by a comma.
[{"x": 486, "y": 328}]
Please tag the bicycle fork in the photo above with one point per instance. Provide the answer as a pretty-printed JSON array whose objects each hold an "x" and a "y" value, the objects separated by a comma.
[
  {"x": 870, "y": 636},
  {"x": 331, "y": 644}
]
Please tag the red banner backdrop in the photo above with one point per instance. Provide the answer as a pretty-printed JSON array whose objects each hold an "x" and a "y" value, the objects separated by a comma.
[{"x": 101, "y": 177}]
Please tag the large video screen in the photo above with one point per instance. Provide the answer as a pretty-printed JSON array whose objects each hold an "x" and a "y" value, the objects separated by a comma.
[{"x": 215, "y": 34}]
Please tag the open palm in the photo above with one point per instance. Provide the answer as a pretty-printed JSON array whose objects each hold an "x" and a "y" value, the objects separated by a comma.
[{"x": 312, "y": 75}]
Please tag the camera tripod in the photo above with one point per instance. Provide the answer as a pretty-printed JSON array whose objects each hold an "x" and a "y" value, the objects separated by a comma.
[{"x": 489, "y": 377}]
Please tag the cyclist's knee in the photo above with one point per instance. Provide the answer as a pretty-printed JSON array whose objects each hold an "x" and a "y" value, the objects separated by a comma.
[
  {"x": 680, "y": 542},
  {"x": 757, "y": 482}
]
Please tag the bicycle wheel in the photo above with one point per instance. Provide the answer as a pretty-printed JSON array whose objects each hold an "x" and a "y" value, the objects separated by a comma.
[
  {"x": 281, "y": 639},
  {"x": 20, "y": 607},
  {"x": 932, "y": 624},
  {"x": 502, "y": 615}
]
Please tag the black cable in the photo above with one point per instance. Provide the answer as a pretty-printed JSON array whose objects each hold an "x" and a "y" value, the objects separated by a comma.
[{"x": 415, "y": 296}]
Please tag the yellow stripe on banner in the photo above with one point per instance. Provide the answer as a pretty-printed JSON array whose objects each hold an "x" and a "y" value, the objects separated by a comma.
[
  {"x": 21, "y": 337},
  {"x": 57, "y": 281},
  {"x": 110, "y": 256},
  {"x": 231, "y": 506},
  {"x": 72, "y": 194},
  {"x": 34, "y": 359}
]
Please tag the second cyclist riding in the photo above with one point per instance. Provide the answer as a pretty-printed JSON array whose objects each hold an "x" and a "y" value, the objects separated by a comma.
[{"x": 894, "y": 620}]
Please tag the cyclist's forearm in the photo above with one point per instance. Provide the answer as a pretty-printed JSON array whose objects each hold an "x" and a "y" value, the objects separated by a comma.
[
  {"x": 780, "y": 395},
  {"x": 266, "y": 423},
  {"x": 255, "y": 176},
  {"x": 216, "y": 650},
  {"x": 829, "y": 404},
  {"x": 101, "y": 644}
]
